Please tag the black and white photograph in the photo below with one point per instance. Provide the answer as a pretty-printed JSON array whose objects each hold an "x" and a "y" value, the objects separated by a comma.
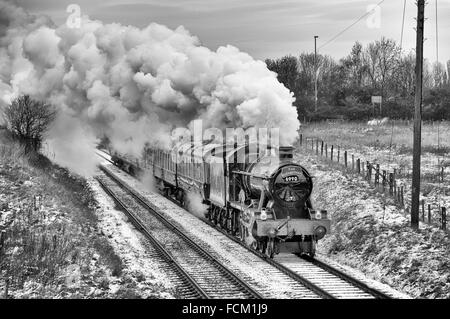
[{"x": 240, "y": 151}]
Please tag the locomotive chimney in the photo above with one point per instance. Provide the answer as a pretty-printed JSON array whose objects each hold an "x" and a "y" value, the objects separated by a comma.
[{"x": 286, "y": 153}]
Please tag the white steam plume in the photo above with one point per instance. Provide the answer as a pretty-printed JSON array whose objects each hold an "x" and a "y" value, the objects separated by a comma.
[
  {"x": 134, "y": 85},
  {"x": 148, "y": 181},
  {"x": 194, "y": 204}
]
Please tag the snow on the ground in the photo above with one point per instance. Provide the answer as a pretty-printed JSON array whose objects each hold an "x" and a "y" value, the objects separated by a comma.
[
  {"x": 128, "y": 244},
  {"x": 433, "y": 192}
]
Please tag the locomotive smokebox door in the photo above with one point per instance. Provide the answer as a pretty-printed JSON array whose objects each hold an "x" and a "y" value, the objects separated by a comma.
[{"x": 291, "y": 187}]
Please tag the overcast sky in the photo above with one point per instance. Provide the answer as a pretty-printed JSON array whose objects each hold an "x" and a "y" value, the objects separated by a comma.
[{"x": 269, "y": 28}]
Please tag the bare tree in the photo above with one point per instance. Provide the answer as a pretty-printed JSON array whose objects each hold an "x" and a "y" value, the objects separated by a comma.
[
  {"x": 28, "y": 120},
  {"x": 404, "y": 78},
  {"x": 354, "y": 66},
  {"x": 382, "y": 59}
]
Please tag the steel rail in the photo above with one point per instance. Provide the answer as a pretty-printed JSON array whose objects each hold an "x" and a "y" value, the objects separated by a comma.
[
  {"x": 348, "y": 278},
  {"x": 163, "y": 252},
  {"x": 223, "y": 269}
]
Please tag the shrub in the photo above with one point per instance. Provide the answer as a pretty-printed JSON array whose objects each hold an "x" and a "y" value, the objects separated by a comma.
[{"x": 29, "y": 119}]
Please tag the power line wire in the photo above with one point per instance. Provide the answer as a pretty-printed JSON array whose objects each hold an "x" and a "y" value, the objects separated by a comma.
[
  {"x": 437, "y": 38},
  {"x": 403, "y": 23},
  {"x": 351, "y": 25}
]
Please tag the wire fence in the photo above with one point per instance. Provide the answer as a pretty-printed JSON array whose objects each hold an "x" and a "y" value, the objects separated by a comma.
[{"x": 383, "y": 180}]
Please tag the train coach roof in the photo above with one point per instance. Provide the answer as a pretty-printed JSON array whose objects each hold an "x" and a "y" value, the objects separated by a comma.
[
  {"x": 203, "y": 150},
  {"x": 200, "y": 150}
]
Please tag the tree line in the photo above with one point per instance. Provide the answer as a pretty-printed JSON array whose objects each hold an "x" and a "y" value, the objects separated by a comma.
[{"x": 345, "y": 87}]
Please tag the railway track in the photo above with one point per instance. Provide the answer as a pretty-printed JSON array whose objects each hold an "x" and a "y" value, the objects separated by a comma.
[
  {"x": 376, "y": 293},
  {"x": 203, "y": 276},
  {"x": 102, "y": 155},
  {"x": 324, "y": 280}
]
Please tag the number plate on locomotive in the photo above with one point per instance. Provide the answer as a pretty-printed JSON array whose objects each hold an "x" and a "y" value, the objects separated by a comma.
[{"x": 291, "y": 178}]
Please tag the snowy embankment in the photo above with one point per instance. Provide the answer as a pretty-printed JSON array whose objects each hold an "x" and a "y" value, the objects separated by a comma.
[
  {"x": 370, "y": 233},
  {"x": 58, "y": 241}
]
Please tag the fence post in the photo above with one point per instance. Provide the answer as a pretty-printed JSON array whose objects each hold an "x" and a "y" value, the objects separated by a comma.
[
  {"x": 403, "y": 199},
  {"x": 429, "y": 213},
  {"x": 326, "y": 150},
  {"x": 384, "y": 179},
  {"x": 301, "y": 139},
  {"x": 377, "y": 175},
  {"x": 391, "y": 183},
  {"x": 332, "y": 149},
  {"x": 339, "y": 154},
  {"x": 312, "y": 144},
  {"x": 2, "y": 241},
  {"x": 353, "y": 162},
  {"x": 321, "y": 149},
  {"x": 369, "y": 172},
  {"x": 358, "y": 165},
  {"x": 6, "y": 288},
  {"x": 444, "y": 218},
  {"x": 345, "y": 158},
  {"x": 395, "y": 174},
  {"x": 423, "y": 209},
  {"x": 317, "y": 147}
]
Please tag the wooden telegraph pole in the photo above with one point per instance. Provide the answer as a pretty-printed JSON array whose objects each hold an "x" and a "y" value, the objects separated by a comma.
[{"x": 415, "y": 206}]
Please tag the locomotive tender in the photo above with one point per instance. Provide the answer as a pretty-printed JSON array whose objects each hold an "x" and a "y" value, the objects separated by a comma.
[{"x": 260, "y": 196}]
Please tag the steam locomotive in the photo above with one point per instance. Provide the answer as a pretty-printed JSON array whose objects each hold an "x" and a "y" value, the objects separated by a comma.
[{"x": 254, "y": 193}]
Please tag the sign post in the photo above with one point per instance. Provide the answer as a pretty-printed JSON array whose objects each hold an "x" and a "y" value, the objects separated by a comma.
[{"x": 377, "y": 99}]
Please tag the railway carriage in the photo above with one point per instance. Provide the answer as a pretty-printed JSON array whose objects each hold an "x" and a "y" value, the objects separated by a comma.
[{"x": 254, "y": 192}]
